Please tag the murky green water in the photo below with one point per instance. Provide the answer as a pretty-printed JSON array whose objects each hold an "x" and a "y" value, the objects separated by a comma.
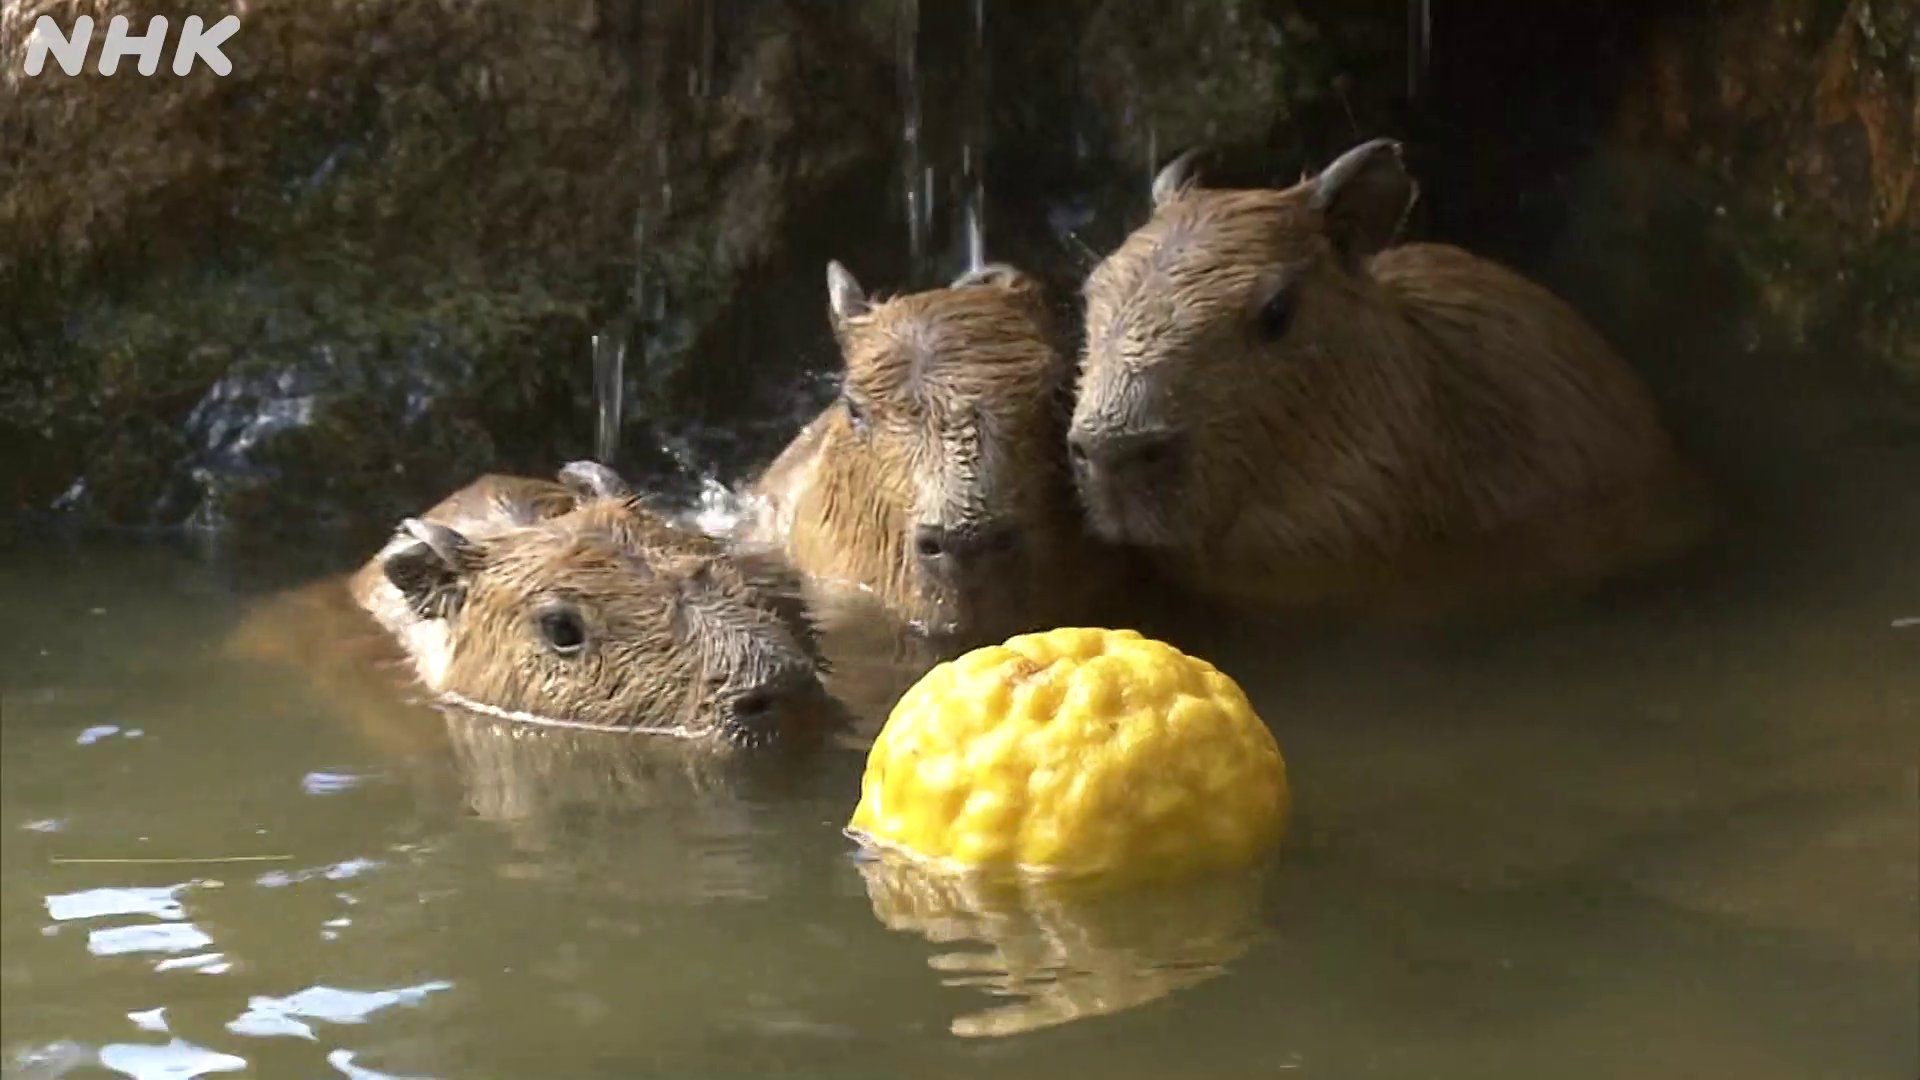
[{"x": 1674, "y": 833}]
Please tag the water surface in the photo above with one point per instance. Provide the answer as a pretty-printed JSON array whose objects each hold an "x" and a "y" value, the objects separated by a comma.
[{"x": 1674, "y": 832}]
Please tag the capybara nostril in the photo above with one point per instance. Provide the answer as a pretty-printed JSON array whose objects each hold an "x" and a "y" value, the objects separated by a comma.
[
  {"x": 753, "y": 704},
  {"x": 929, "y": 541},
  {"x": 998, "y": 541},
  {"x": 1077, "y": 451},
  {"x": 781, "y": 702},
  {"x": 944, "y": 551},
  {"x": 1123, "y": 452}
]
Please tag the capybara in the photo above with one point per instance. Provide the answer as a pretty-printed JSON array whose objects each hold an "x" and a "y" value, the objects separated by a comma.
[
  {"x": 575, "y": 604},
  {"x": 1290, "y": 408},
  {"x": 938, "y": 481}
]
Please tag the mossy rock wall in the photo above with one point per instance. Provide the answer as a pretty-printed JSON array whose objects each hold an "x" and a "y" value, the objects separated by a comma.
[
  {"x": 369, "y": 262},
  {"x": 1798, "y": 120}
]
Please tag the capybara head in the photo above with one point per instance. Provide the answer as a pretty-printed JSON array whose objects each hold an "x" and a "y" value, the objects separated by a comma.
[
  {"x": 1221, "y": 341},
  {"x": 608, "y": 615},
  {"x": 1265, "y": 377},
  {"x": 939, "y": 477}
]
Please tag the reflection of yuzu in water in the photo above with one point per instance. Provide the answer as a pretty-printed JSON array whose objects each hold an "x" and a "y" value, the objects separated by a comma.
[
  {"x": 1049, "y": 950},
  {"x": 1078, "y": 751}
]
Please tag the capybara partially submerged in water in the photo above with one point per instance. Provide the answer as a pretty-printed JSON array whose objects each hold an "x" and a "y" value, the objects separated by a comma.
[
  {"x": 938, "y": 481},
  {"x": 1286, "y": 407},
  {"x": 574, "y": 604}
]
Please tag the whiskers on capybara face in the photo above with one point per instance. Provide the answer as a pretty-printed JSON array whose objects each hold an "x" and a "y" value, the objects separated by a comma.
[
  {"x": 609, "y": 616},
  {"x": 938, "y": 478}
]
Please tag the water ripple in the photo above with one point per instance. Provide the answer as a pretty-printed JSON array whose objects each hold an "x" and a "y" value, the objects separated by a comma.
[
  {"x": 342, "y": 1060},
  {"x": 151, "y": 937},
  {"x": 208, "y": 963},
  {"x": 340, "y": 871},
  {"x": 271, "y": 1016},
  {"x": 323, "y": 782},
  {"x": 97, "y": 732},
  {"x": 177, "y": 1060},
  {"x": 160, "y": 901}
]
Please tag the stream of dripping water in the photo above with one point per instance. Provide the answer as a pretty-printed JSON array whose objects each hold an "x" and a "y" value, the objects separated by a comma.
[
  {"x": 973, "y": 151},
  {"x": 916, "y": 178},
  {"x": 1419, "y": 42},
  {"x": 609, "y": 373}
]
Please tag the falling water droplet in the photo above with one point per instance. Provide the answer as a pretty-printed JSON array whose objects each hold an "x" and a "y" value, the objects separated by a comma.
[
  {"x": 609, "y": 379},
  {"x": 974, "y": 149},
  {"x": 707, "y": 45},
  {"x": 666, "y": 185},
  {"x": 976, "y": 197},
  {"x": 1419, "y": 41},
  {"x": 637, "y": 294},
  {"x": 913, "y": 154}
]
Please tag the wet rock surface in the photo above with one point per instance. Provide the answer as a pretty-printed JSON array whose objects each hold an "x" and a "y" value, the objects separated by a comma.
[
  {"x": 1799, "y": 123},
  {"x": 371, "y": 262}
]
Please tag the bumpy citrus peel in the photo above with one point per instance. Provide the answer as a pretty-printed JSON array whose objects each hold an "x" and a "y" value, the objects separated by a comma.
[{"x": 1075, "y": 751}]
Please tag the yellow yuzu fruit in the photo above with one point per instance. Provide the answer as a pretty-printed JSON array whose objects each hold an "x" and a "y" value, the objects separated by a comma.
[{"x": 1075, "y": 750}]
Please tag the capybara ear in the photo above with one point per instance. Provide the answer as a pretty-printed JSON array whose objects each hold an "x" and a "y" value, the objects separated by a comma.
[
  {"x": 1176, "y": 177},
  {"x": 845, "y": 298},
  {"x": 431, "y": 572},
  {"x": 592, "y": 480},
  {"x": 1364, "y": 197}
]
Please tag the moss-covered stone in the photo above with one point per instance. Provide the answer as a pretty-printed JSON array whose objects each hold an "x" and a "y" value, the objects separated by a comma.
[
  {"x": 390, "y": 234},
  {"x": 1801, "y": 116}
]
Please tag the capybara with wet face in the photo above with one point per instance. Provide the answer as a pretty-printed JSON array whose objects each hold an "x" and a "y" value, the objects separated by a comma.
[
  {"x": 938, "y": 481},
  {"x": 1284, "y": 405},
  {"x": 605, "y": 615}
]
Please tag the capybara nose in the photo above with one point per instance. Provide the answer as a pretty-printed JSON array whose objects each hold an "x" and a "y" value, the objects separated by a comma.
[
  {"x": 945, "y": 552},
  {"x": 782, "y": 699},
  {"x": 1141, "y": 452}
]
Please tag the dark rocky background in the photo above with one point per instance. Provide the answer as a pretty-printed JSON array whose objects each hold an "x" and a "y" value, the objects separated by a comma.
[{"x": 314, "y": 295}]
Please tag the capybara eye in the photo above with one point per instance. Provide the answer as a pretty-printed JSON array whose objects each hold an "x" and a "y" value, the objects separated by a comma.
[
  {"x": 563, "y": 632},
  {"x": 1276, "y": 314}
]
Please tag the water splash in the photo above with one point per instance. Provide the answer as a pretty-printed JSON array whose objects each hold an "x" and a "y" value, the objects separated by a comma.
[{"x": 917, "y": 174}]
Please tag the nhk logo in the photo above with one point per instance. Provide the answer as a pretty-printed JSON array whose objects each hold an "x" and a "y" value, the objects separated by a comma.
[{"x": 197, "y": 42}]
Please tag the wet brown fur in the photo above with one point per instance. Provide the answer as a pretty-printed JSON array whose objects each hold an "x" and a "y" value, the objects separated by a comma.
[
  {"x": 953, "y": 413},
  {"x": 1424, "y": 412},
  {"x": 676, "y": 626}
]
